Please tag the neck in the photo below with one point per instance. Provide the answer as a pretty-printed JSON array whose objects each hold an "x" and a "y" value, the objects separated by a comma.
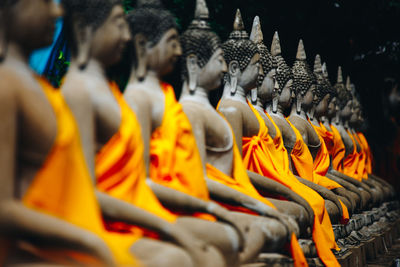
[
  {"x": 259, "y": 104},
  {"x": 239, "y": 95},
  {"x": 323, "y": 119},
  {"x": 150, "y": 81},
  {"x": 18, "y": 53},
  {"x": 93, "y": 67},
  {"x": 199, "y": 95},
  {"x": 302, "y": 113}
]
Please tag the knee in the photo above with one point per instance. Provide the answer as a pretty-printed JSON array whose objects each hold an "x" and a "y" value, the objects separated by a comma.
[
  {"x": 170, "y": 257},
  {"x": 333, "y": 211},
  {"x": 275, "y": 234}
]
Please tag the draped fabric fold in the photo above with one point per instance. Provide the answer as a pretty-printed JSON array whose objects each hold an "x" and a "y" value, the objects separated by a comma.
[
  {"x": 367, "y": 149},
  {"x": 270, "y": 158},
  {"x": 175, "y": 160},
  {"x": 350, "y": 163},
  {"x": 120, "y": 168},
  {"x": 338, "y": 150},
  {"x": 63, "y": 188},
  {"x": 321, "y": 166}
]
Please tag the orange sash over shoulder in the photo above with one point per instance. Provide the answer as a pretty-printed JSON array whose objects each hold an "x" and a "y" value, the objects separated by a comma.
[
  {"x": 63, "y": 188},
  {"x": 120, "y": 167},
  {"x": 350, "y": 163},
  {"x": 175, "y": 159},
  {"x": 321, "y": 166},
  {"x": 322, "y": 231},
  {"x": 362, "y": 161},
  {"x": 367, "y": 149},
  {"x": 338, "y": 151}
]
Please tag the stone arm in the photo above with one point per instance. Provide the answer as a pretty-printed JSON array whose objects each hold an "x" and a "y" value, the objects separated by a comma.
[
  {"x": 113, "y": 208},
  {"x": 272, "y": 187},
  {"x": 325, "y": 193},
  {"x": 360, "y": 201},
  {"x": 177, "y": 200},
  {"x": 225, "y": 194},
  {"x": 389, "y": 188},
  {"x": 356, "y": 183},
  {"x": 20, "y": 222},
  {"x": 235, "y": 119}
]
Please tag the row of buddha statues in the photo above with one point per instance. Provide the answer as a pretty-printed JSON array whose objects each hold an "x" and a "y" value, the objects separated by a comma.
[{"x": 95, "y": 177}]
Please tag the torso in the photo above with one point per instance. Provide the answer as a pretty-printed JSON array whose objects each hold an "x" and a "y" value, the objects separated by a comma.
[
  {"x": 347, "y": 141},
  {"x": 218, "y": 135},
  {"x": 36, "y": 122},
  {"x": 308, "y": 133},
  {"x": 288, "y": 135}
]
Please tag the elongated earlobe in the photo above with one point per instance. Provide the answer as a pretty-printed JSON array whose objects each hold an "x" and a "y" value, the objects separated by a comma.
[
  {"x": 84, "y": 36},
  {"x": 141, "y": 59},
  {"x": 298, "y": 103},
  {"x": 254, "y": 96},
  {"x": 193, "y": 68},
  {"x": 233, "y": 73}
]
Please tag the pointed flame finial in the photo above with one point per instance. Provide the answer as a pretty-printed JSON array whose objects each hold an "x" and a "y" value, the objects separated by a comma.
[
  {"x": 348, "y": 83},
  {"x": 317, "y": 64},
  {"x": 201, "y": 12},
  {"x": 339, "y": 75},
  {"x": 325, "y": 70},
  {"x": 256, "y": 33},
  {"x": 301, "y": 53},
  {"x": 276, "y": 45},
  {"x": 238, "y": 24}
]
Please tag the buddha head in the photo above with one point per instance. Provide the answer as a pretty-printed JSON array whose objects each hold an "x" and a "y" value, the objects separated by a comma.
[
  {"x": 304, "y": 81},
  {"x": 332, "y": 101},
  {"x": 322, "y": 89},
  {"x": 96, "y": 29},
  {"x": 356, "y": 106},
  {"x": 28, "y": 24},
  {"x": 242, "y": 58},
  {"x": 283, "y": 89},
  {"x": 266, "y": 81},
  {"x": 203, "y": 63},
  {"x": 156, "y": 45},
  {"x": 344, "y": 97}
]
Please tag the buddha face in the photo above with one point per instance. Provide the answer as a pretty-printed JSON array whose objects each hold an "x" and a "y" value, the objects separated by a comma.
[
  {"x": 347, "y": 110},
  {"x": 308, "y": 98},
  {"x": 248, "y": 78},
  {"x": 211, "y": 75},
  {"x": 32, "y": 22},
  {"x": 322, "y": 106},
  {"x": 287, "y": 95},
  {"x": 266, "y": 89},
  {"x": 162, "y": 57},
  {"x": 332, "y": 107},
  {"x": 110, "y": 39}
]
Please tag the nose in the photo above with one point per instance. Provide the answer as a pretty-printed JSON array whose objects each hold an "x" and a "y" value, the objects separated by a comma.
[
  {"x": 126, "y": 33},
  {"x": 293, "y": 94},
  {"x": 224, "y": 66},
  {"x": 315, "y": 97},
  {"x": 260, "y": 70},
  {"x": 56, "y": 10},
  {"x": 178, "y": 49},
  {"x": 276, "y": 85}
]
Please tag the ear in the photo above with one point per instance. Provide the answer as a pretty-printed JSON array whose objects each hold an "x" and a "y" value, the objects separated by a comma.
[
  {"x": 193, "y": 70},
  {"x": 84, "y": 37},
  {"x": 233, "y": 68},
  {"x": 3, "y": 41},
  {"x": 140, "y": 42}
]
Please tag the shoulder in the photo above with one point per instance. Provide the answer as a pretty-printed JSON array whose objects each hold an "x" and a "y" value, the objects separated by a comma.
[{"x": 230, "y": 108}]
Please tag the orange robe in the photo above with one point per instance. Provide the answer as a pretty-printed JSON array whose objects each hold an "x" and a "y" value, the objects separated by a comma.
[
  {"x": 362, "y": 161},
  {"x": 120, "y": 167},
  {"x": 278, "y": 170},
  {"x": 367, "y": 149},
  {"x": 350, "y": 163},
  {"x": 321, "y": 166},
  {"x": 268, "y": 157},
  {"x": 175, "y": 161},
  {"x": 63, "y": 188},
  {"x": 338, "y": 150}
]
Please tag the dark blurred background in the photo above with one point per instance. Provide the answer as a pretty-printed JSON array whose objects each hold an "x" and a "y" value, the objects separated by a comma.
[{"x": 362, "y": 36}]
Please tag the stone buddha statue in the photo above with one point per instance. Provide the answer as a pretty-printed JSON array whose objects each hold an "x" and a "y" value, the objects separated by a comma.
[
  {"x": 34, "y": 117},
  {"x": 249, "y": 118},
  {"x": 203, "y": 67},
  {"x": 111, "y": 135}
]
